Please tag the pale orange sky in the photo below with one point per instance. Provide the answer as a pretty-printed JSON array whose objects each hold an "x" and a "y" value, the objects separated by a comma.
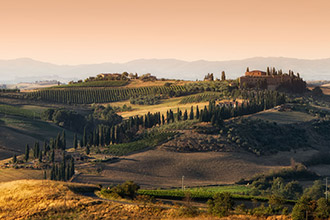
[{"x": 93, "y": 31}]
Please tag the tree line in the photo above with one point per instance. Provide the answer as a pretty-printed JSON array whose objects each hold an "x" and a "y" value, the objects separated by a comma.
[
  {"x": 126, "y": 130},
  {"x": 60, "y": 169}
]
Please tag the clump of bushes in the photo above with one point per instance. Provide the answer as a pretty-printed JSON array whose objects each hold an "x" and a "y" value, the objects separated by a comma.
[
  {"x": 127, "y": 190},
  {"x": 221, "y": 204},
  {"x": 65, "y": 118}
]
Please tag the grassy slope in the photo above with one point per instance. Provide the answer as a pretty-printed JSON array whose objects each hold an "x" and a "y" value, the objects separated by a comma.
[
  {"x": 283, "y": 117},
  {"x": 10, "y": 174},
  {"x": 166, "y": 104},
  {"x": 18, "y": 131},
  {"x": 27, "y": 112},
  {"x": 43, "y": 199}
]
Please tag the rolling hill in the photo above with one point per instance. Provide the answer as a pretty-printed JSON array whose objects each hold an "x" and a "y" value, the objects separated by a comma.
[{"x": 28, "y": 70}]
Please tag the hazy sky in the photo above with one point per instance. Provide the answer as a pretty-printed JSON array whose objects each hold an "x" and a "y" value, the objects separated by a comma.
[{"x": 93, "y": 31}]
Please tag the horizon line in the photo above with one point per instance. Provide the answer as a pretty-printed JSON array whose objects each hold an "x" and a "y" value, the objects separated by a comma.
[{"x": 138, "y": 59}]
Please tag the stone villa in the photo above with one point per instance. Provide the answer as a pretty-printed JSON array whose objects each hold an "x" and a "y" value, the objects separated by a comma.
[{"x": 259, "y": 78}]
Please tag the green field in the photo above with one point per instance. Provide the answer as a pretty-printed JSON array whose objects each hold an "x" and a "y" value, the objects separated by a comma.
[
  {"x": 283, "y": 117},
  {"x": 148, "y": 142},
  {"x": 237, "y": 192},
  {"x": 165, "y": 105},
  {"x": 18, "y": 111}
]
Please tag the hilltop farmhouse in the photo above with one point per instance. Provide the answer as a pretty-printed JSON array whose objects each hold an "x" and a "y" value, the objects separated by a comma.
[{"x": 265, "y": 80}]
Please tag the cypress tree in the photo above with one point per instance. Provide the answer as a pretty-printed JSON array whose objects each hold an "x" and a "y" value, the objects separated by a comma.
[
  {"x": 191, "y": 115},
  {"x": 87, "y": 150},
  {"x": 213, "y": 120},
  {"x": 63, "y": 140},
  {"x": 113, "y": 134},
  {"x": 52, "y": 156},
  {"x": 45, "y": 146},
  {"x": 27, "y": 153},
  {"x": 172, "y": 116},
  {"x": 163, "y": 119},
  {"x": 56, "y": 173},
  {"x": 90, "y": 139},
  {"x": 159, "y": 120},
  {"x": 223, "y": 76},
  {"x": 146, "y": 118},
  {"x": 36, "y": 150},
  {"x": 84, "y": 140},
  {"x": 179, "y": 115},
  {"x": 52, "y": 172},
  {"x": 96, "y": 140},
  {"x": 14, "y": 159},
  {"x": 101, "y": 135},
  {"x": 58, "y": 142},
  {"x": 197, "y": 112},
  {"x": 62, "y": 172},
  {"x": 75, "y": 141},
  {"x": 40, "y": 156},
  {"x": 45, "y": 175},
  {"x": 51, "y": 144},
  {"x": 68, "y": 172},
  {"x": 185, "y": 115},
  {"x": 167, "y": 117},
  {"x": 72, "y": 166}
]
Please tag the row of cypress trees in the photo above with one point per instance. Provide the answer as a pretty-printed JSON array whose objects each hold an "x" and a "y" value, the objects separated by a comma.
[
  {"x": 64, "y": 170},
  {"x": 125, "y": 131},
  {"x": 48, "y": 148}
]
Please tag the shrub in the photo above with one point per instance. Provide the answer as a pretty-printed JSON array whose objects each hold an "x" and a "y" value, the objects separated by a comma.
[
  {"x": 323, "y": 209},
  {"x": 303, "y": 209},
  {"x": 125, "y": 190},
  {"x": 316, "y": 191},
  {"x": 221, "y": 204}
]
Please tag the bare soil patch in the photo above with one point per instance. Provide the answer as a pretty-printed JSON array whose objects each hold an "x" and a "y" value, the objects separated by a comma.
[{"x": 161, "y": 168}]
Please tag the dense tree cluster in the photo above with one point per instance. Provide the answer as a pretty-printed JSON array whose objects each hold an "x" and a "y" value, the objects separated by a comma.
[
  {"x": 257, "y": 101},
  {"x": 60, "y": 169},
  {"x": 105, "y": 115},
  {"x": 63, "y": 170},
  {"x": 126, "y": 190},
  {"x": 65, "y": 118}
]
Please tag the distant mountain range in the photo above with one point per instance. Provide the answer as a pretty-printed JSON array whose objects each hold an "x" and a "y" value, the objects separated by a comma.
[{"x": 29, "y": 70}]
